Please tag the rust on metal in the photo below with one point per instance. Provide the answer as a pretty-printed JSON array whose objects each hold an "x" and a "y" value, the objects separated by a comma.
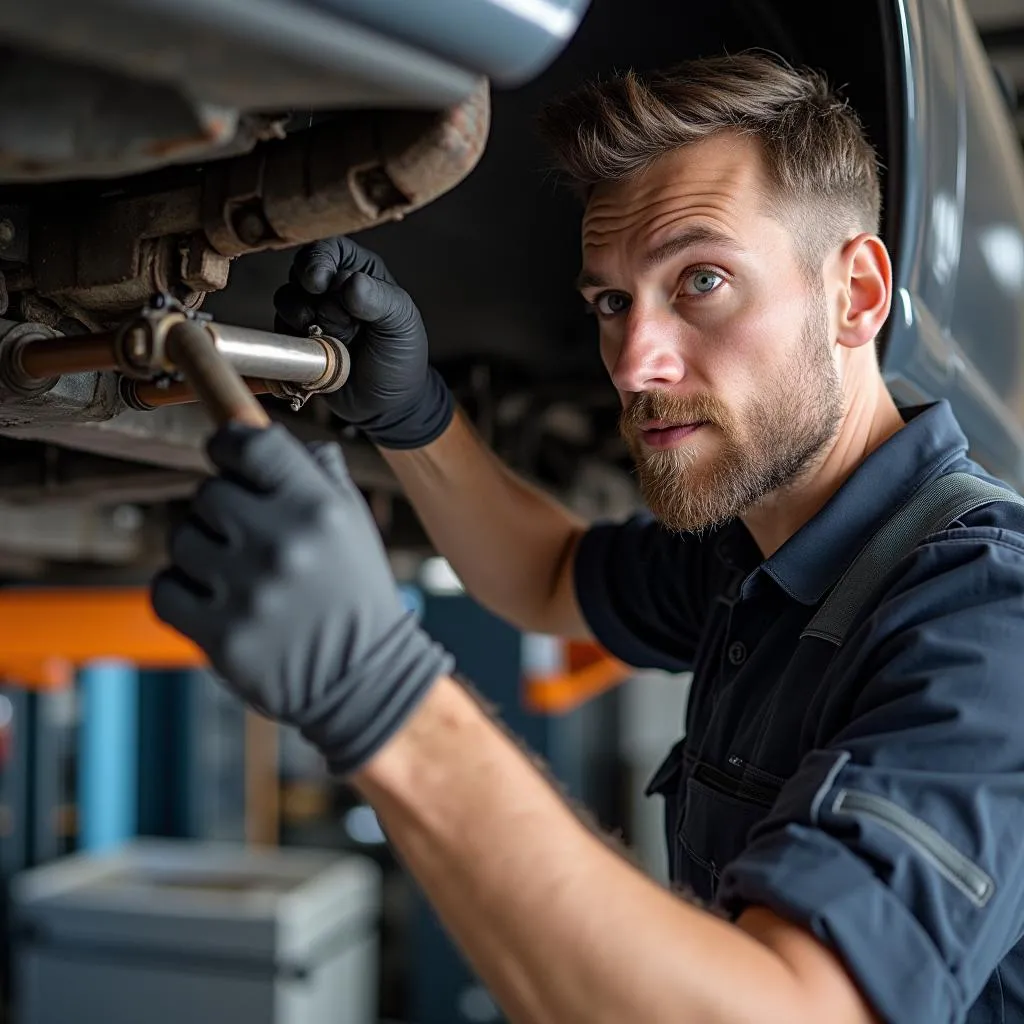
[
  {"x": 203, "y": 269},
  {"x": 111, "y": 255},
  {"x": 441, "y": 158},
  {"x": 106, "y": 255},
  {"x": 343, "y": 175}
]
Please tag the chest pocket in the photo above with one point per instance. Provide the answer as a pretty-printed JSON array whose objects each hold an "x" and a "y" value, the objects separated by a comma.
[
  {"x": 719, "y": 810},
  {"x": 709, "y": 814}
]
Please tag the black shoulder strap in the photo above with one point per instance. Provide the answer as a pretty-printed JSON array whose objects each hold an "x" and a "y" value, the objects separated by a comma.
[{"x": 930, "y": 510}]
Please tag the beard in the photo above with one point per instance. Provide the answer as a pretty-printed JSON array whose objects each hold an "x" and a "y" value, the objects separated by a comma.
[{"x": 781, "y": 432}]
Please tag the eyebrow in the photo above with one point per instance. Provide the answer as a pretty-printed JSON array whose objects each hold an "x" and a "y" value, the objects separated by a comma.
[{"x": 669, "y": 248}]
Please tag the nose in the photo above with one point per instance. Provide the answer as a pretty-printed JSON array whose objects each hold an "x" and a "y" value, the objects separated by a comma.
[{"x": 646, "y": 354}]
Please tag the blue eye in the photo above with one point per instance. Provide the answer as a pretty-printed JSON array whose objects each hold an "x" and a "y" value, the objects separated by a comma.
[
  {"x": 612, "y": 303},
  {"x": 704, "y": 281}
]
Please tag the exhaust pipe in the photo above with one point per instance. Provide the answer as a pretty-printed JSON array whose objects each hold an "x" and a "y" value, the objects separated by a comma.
[{"x": 288, "y": 367}]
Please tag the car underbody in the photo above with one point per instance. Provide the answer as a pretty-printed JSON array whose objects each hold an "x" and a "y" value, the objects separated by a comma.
[{"x": 178, "y": 153}]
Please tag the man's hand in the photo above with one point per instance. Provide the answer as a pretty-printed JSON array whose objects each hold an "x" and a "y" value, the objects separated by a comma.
[
  {"x": 392, "y": 395},
  {"x": 279, "y": 575}
]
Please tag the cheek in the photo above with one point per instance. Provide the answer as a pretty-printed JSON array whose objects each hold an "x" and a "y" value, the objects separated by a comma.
[
  {"x": 755, "y": 344},
  {"x": 739, "y": 366}
]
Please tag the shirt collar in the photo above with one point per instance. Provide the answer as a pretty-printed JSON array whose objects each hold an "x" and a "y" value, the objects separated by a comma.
[{"x": 820, "y": 551}]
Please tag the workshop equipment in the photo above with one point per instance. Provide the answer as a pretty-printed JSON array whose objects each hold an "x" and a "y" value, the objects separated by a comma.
[{"x": 165, "y": 931}]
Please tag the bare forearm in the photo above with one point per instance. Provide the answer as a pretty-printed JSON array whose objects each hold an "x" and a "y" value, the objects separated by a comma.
[
  {"x": 509, "y": 543},
  {"x": 559, "y": 926}
]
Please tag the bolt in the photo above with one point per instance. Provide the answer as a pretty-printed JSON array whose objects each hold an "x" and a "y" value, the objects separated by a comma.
[
  {"x": 251, "y": 226},
  {"x": 7, "y": 233},
  {"x": 378, "y": 187}
]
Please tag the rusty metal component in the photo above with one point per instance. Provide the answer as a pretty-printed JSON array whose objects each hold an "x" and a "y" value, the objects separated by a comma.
[
  {"x": 146, "y": 395},
  {"x": 111, "y": 255},
  {"x": 63, "y": 315},
  {"x": 106, "y": 254},
  {"x": 214, "y": 380},
  {"x": 342, "y": 176},
  {"x": 203, "y": 269}
]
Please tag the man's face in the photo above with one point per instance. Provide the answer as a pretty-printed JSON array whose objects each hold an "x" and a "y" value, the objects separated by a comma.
[{"x": 718, "y": 344}]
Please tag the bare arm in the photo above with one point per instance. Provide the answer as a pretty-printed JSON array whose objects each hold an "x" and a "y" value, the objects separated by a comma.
[
  {"x": 559, "y": 926},
  {"x": 512, "y": 546}
]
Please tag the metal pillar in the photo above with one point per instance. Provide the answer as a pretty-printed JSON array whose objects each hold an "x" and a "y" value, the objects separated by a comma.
[{"x": 108, "y": 755}]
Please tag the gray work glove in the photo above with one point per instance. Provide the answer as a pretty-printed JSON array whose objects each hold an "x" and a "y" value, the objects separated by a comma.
[
  {"x": 280, "y": 576},
  {"x": 393, "y": 395}
]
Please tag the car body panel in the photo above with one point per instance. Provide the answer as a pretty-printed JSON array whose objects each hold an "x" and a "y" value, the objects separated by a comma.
[
  {"x": 511, "y": 41},
  {"x": 957, "y": 329}
]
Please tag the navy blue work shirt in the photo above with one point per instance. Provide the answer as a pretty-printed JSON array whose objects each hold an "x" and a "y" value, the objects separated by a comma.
[{"x": 874, "y": 795}]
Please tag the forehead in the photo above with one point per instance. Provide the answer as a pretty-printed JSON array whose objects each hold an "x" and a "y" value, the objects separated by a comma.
[{"x": 720, "y": 181}]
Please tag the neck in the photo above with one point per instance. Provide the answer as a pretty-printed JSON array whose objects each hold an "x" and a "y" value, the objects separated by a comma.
[{"x": 871, "y": 418}]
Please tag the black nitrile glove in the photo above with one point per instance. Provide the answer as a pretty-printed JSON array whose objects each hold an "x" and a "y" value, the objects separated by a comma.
[
  {"x": 393, "y": 394},
  {"x": 280, "y": 576}
]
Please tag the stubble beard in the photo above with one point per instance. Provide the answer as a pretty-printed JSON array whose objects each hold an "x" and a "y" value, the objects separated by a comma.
[{"x": 783, "y": 431}]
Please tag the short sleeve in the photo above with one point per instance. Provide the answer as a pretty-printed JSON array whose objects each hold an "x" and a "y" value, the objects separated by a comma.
[
  {"x": 643, "y": 592},
  {"x": 900, "y": 840}
]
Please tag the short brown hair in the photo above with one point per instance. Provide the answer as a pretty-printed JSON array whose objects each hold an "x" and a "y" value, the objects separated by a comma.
[{"x": 817, "y": 157}]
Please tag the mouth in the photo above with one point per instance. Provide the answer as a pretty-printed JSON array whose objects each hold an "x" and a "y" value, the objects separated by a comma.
[{"x": 660, "y": 434}]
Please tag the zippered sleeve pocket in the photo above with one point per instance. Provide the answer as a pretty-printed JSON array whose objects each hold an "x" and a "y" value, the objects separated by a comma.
[
  {"x": 914, "y": 877},
  {"x": 958, "y": 870}
]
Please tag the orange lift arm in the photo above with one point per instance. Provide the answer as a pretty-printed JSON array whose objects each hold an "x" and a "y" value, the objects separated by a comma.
[
  {"x": 590, "y": 670},
  {"x": 45, "y": 635}
]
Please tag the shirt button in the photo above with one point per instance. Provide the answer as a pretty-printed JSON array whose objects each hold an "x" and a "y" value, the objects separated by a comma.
[{"x": 737, "y": 653}]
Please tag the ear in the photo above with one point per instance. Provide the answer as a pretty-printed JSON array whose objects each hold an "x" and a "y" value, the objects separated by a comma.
[{"x": 865, "y": 295}]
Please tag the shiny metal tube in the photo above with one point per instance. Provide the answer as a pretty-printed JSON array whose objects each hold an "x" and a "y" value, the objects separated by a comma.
[
  {"x": 252, "y": 353},
  {"x": 270, "y": 356}
]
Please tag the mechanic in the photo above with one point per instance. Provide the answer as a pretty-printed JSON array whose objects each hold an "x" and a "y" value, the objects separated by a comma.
[{"x": 846, "y": 824}]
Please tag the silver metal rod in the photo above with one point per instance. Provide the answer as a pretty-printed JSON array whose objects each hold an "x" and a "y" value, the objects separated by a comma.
[{"x": 270, "y": 356}]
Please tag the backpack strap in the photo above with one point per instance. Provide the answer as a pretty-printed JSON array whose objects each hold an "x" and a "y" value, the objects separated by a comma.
[{"x": 929, "y": 510}]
